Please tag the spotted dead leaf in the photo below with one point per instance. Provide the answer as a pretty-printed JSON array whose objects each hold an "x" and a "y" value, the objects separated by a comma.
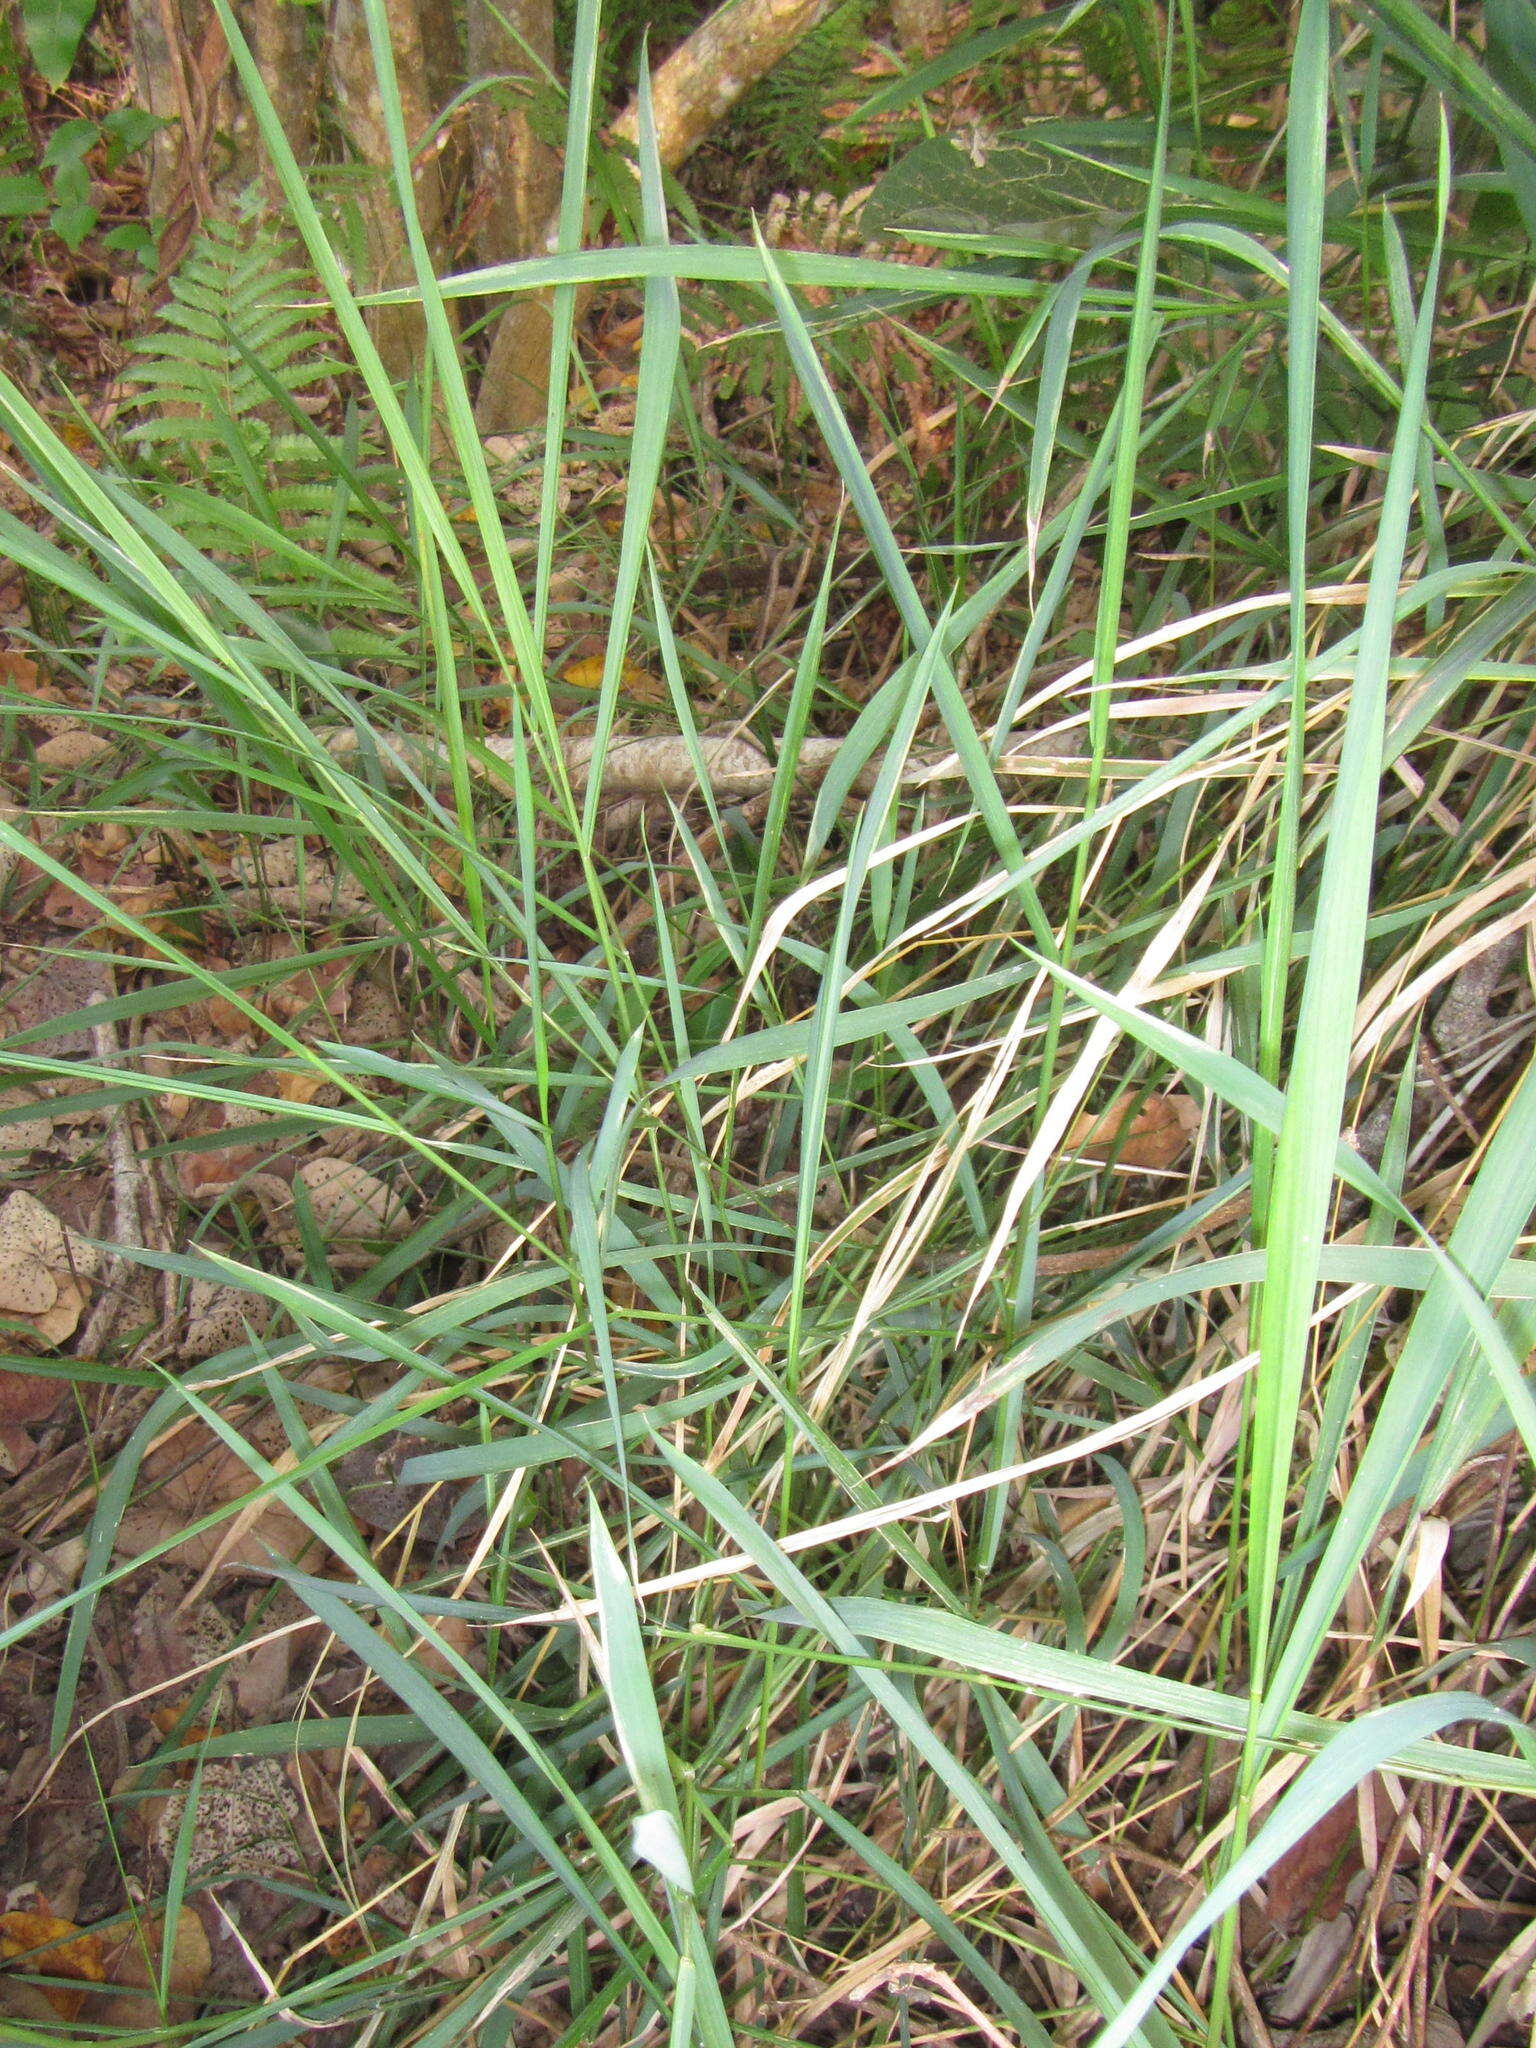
[
  {"x": 374, "y": 1014},
  {"x": 286, "y": 877},
  {"x": 219, "y": 1317},
  {"x": 25, "y": 1125},
  {"x": 45, "y": 1271},
  {"x": 355, "y": 1213},
  {"x": 1139, "y": 1134},
  {"x": 249, "y": 1819},
  {"x": 50, "y": 988},
  {"x": 36, "y": 1944},
  {"x": 350, "y": 1202}
]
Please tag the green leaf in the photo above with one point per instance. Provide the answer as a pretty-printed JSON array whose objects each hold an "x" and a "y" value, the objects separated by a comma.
[
  {"x": 1374, "y": 1740},
  {"x": 978, "y": 1648},
  {"x": 129, "y": 128},
  {"x": 1049, "y": 184},
  {"x": 53, "y": 29},
  {"x": 70, "y": 143},
  {"x": 22, "y": 196},
  {"x": 74, "y": 222},
  {"x": 1511, "y": 31},
  {"x": 1454, "y": 70},
  {"x": 133, "y": 237},
  {"x": 636, "y": 1718}
]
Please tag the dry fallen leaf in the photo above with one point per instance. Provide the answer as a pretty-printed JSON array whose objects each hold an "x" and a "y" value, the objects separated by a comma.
[
  {"x": 20, "y": 672},
  {"x": 1145, "y": 1135},
  {"x": 17, "y": 820},
  {"x": 28, "y": 1397},
  {"x": 194, "y": 1475},
  {"x": 135, "y": 2003},
  {"x": 44, "y": 1269},
  {"x": 452, "y": 1630},
  {"x": 351, "y": 1203},
  {"x": 354, "y": 1211},
  {"x": 39, "y": 1945},
  {"x": 219, "y": 1317},
  {"x": 587, "y": 675},
  {"x": 249, "y": 1821},
  {"x": 17, "y": 1450},
  {"x": 48, "y": 988},
  {"x": 73, "y": 749},
  {"x": 21, "y": 1133},
  {"x": 300, "y": 1086},
  {"x": 1308, "y": 1883},
  {"x": 261, "y": 1676},
  {"x": 175, "y": 1652}
]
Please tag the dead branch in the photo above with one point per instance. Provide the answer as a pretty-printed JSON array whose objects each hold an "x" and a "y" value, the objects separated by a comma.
[
  {"x": 705, "y": 76},
  {"x": 663, "y": 764}
]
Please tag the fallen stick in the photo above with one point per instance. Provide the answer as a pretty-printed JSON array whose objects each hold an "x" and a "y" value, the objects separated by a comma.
[{"x": 664, "y": 764}]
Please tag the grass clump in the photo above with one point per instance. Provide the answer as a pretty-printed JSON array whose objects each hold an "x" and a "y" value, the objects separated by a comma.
[{"x": 840, "y": 1252}]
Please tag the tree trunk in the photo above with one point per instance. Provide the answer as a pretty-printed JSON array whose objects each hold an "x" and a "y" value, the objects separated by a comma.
[
  {"x": 517, "y": 173},
  {"x": 399, "y": 332},
  {"x": 697, "y": 85},
  {"x": 919, "y": 24},
  {"x": 278, "y": 33},
  {"x": 442, "y": 41}
]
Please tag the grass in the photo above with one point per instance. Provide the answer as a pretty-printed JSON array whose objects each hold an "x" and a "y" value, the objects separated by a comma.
[{"x": 920, "y": 1562}]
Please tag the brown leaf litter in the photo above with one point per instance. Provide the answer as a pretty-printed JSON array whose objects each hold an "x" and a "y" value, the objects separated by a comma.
[{"x": 45, "y": 1273}]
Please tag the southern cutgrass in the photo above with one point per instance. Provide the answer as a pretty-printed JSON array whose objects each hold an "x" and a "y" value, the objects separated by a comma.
[{"x": 785, "y": 1398}]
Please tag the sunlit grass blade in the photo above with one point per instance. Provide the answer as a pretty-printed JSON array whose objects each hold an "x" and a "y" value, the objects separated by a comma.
[
  {"x": 1065, "y": 1675},
  {"x": 660, "y": 344},
  {"x": 658, "y": 1832},
  {"x": 1318, "y": 1073},
  {"x": 1494, "y": 1216},
  {"x": 1372, "y": 1742},
  {"x": 1100, "y": 1962},
  {"x": 1305, "y": 190}
]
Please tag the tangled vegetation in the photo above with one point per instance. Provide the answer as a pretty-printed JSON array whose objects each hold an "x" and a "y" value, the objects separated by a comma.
[{"x": 768, "y": 1168}]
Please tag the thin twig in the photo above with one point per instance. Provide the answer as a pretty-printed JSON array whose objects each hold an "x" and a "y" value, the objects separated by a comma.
[{"x": 127, "y": 1180}]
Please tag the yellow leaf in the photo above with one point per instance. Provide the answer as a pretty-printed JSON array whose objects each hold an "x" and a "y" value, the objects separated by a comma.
[
  {"x": 587, "y": 674},
  {"x": 53, "y": 1948},
  {"x": 299, "y": 1085}
]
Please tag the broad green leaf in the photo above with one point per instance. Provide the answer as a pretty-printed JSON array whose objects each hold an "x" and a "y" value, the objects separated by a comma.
[
  {"x": 53, "y": 29},
  {"x": 1510, "y": 26},
  {"x": 22, "y": 196},
  {"x": 1053, "y": 183}
]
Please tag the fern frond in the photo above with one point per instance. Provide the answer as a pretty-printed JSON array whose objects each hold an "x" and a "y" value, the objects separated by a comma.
[
  {"x": 18, "y": 150},
  {"x": 785, "y": 114},
  {"x": 224, "y": 388}
]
